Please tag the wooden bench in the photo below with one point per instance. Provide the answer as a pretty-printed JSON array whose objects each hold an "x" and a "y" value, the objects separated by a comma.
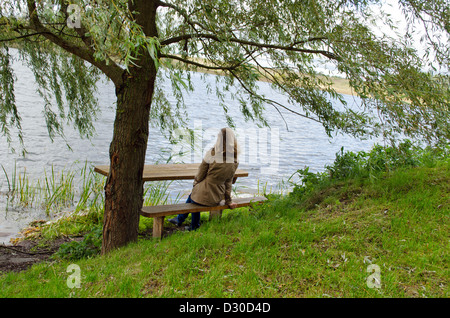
[
  {"x": 159, "y": 212},
  {"x": 175, "y": 171}
]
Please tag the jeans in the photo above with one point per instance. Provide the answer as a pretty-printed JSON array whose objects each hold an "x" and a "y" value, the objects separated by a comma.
[{"x": 195, "y": 222}]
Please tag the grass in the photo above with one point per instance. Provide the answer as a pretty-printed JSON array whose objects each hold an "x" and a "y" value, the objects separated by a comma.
[{"x": 319, "y": 241}]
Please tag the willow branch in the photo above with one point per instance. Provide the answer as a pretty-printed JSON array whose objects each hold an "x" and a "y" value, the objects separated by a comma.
[
  {"x": 270, "y": 101},
  {"x": 290, "y": 48},
  {"x": 21, "y": 37},
  {"x": 109, "y": 68},
  {"x": 81, "y": 31},
  {"x": 208, "y": 67},
  {"x": 183, "y": 14}
]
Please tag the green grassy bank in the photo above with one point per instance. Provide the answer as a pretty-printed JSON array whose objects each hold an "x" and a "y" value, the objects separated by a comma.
[{"x": 346, "y": 232}]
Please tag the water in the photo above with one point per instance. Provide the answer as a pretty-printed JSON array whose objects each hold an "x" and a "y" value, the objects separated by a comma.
[{"x": 270, "y": 156}]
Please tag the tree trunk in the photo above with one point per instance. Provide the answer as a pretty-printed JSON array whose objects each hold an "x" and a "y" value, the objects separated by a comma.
[{"x": 124, "y": 185}]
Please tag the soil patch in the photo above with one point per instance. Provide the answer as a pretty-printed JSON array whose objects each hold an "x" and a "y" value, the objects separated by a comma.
[{"x": 26, "y": 253}]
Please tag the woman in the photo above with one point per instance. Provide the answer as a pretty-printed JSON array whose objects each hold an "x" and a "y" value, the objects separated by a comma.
[{"x": 214, "y": 178}]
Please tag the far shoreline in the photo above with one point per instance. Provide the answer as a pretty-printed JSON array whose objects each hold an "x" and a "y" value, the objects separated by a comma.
[{"x": 339, "y": 84}]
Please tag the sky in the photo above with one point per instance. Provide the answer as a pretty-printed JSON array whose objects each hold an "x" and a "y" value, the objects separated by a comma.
[{"x": 394, "y": 10}]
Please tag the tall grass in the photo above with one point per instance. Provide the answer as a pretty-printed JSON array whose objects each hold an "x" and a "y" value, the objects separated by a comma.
[
  {"x": 55, "y": 191},
  {"x": 91, "y": 195},
  {"x": 77, "y": 190},
  {"x": 58, "y": 190},
  {"x": 157, "y": 193}
]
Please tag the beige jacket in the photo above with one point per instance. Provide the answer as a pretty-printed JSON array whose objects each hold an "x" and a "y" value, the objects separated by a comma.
[{"x": 212, "y": 183}]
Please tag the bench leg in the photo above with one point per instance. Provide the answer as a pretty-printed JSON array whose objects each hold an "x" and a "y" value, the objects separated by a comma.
[
  {"x": 158, "y": 224},
  {"x": 215, "y": 214}
]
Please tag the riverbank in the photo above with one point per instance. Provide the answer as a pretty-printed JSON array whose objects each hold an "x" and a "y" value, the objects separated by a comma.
[{"x": 361, "y": 233}]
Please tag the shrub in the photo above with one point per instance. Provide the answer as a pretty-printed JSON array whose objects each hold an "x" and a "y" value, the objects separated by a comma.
[
  {"x": 368, "y": 164},
  {"x": 89, "y": 246}
]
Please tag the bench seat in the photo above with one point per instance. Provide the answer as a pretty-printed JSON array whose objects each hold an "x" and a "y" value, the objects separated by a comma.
[{"x": 158, "y": 212}]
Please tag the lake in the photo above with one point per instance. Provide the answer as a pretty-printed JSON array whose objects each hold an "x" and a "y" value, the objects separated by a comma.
[{"x": 270, "y": 155}]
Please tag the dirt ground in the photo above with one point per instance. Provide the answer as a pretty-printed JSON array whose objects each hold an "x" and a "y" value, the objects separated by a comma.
[{"x": 26, "y": 253}]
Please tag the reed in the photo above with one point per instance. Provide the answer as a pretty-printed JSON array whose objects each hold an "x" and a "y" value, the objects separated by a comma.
[
  {"x": 76, "y": 189},
  {"x": 20, "y": 191},
  {"x": 11, "y": 180},
  {"x": 91, "y": 195},
  {"x": 157, "y": 193},
  {"x": 282, "y": 187},
  {"x": 59, "y": 190},
  {"x": 25, "y": 192},
  {"x": 55, "y": 191}
]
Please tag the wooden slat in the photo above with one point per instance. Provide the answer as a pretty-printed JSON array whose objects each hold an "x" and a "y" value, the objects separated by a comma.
[
  {"x": 171, "y": 209},
  {"x": 181, "y": 171}
]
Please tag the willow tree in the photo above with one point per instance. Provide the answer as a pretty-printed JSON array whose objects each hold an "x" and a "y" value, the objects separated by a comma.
[{"x": 70, "y": 44}]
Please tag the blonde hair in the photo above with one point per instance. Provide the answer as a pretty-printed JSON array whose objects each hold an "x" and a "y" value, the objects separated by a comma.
[{"x": 226, "y": 148}]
